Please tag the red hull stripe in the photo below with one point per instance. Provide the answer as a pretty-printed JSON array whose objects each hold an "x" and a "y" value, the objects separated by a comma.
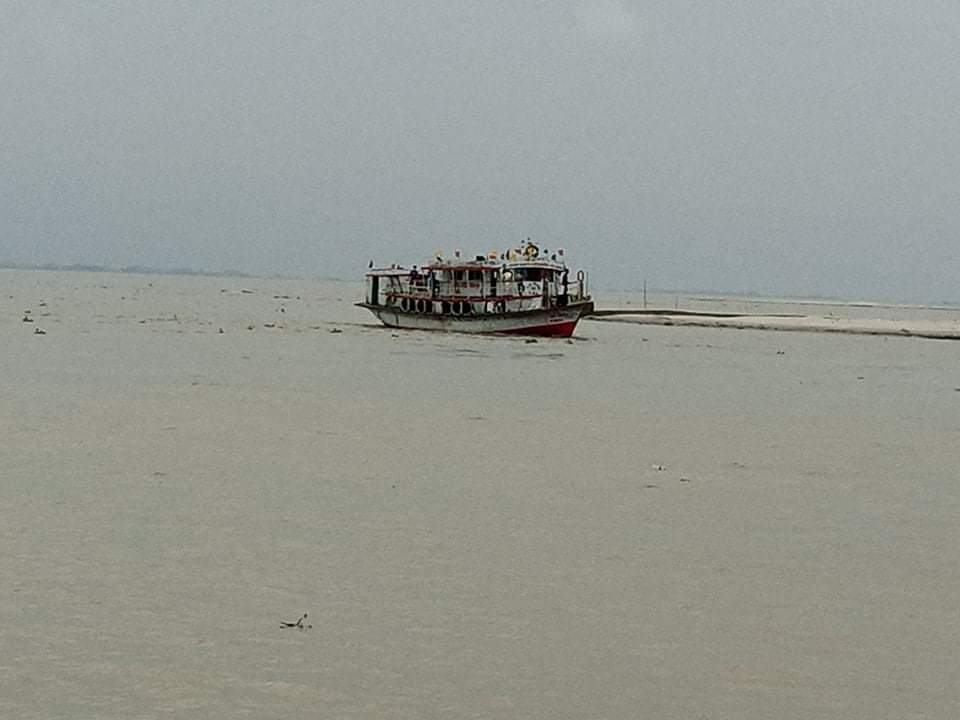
[{"x": 561, "y": 329}]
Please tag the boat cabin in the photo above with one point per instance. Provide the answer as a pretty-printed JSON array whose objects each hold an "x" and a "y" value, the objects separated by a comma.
[{"x": 518, "y": 282}]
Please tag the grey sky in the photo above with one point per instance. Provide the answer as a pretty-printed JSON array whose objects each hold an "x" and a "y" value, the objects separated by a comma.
[{"x": 751, "y": 145}]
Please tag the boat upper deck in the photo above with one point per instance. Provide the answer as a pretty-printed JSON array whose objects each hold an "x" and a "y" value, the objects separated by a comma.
[
  {"x": 459, "y": 265},
  {"x": 520, "y": 279}
]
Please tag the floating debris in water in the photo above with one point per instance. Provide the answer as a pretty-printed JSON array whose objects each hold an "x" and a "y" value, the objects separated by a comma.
[
  {"x": 27, "y": 318},
  {"x": 336, "y": 330},
  {"x": 658, "y": 467},
  {"x": 530, "y": 341},
  {"x": 38, "y": 331},
  {"x": 297, "y": 624}
]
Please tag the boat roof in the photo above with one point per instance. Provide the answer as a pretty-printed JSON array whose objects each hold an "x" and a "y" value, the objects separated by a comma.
[
  {"x": 486, "y": 264},
  {"x": 498, "y": 264}
]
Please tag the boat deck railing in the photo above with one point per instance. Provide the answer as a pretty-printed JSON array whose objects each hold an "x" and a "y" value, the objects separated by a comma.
[{"x": 575, "y": 290}]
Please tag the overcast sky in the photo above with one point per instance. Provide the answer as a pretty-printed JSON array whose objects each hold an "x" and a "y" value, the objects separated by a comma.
[{"x": 740, "y": 145}]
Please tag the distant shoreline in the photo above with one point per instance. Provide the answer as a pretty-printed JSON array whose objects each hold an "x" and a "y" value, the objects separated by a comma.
[
  {"x": 822, "y": 302},
  {"x": 143, "y": 270},
  {"x": 129, "y": 270}
]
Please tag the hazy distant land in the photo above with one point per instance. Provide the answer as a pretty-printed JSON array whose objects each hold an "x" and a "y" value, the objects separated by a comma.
[{"x": 129, "y": 269}]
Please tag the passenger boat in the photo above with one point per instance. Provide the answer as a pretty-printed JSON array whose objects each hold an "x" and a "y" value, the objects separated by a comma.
[{"x": 520, "y": 291}]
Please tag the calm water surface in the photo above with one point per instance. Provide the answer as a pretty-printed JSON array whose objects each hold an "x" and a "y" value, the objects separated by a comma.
[{"x": 643, "y": 522}]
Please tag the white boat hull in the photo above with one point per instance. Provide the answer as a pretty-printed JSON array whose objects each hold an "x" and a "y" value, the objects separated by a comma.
[{"x": 556, "y": 321}]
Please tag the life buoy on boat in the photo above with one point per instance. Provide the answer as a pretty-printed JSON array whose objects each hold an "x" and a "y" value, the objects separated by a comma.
[
  {"x": 405, "y": 304},
  {"x": 531, "y": 251},
  {"x": 456, "y": 308},
  {"x": 421, "y": 306}
]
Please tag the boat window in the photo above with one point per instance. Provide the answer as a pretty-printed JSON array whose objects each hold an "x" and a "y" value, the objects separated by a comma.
[
  {"x": 527, "y": 273},
  {"x": 475, "y": 275}
]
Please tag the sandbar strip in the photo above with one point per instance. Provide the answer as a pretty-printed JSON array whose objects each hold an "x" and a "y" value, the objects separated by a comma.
[{"x": 932, "y": 329}]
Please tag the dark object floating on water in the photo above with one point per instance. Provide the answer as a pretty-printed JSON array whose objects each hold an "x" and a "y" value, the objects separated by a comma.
[
  {"x": 27, "y": 318},
  {"x": 269, "y": 325},
  {"x": 530, "y": 341},
  {"x": 336, "y": 330},
  {"x": 684, "y": 479},
  {"x": 297, "y": 624},
  {"x": 38, "y": 331}
]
